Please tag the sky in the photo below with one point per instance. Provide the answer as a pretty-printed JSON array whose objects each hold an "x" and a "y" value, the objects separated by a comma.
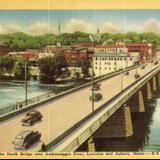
[{"x": 37, "y": 22}]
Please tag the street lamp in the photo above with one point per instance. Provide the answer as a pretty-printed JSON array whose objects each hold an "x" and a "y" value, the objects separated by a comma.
[
  {"x": 26, "y": 85},
  {"x": 92, "y": 86},
  {"x": 122, "y": 80}
]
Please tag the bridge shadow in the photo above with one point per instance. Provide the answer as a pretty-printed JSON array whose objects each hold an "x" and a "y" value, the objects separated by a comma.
[{"x": 142, "y": 123}]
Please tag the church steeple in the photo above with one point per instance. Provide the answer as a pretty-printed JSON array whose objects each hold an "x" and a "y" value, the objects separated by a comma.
[
  {"x": 98, "y": 32},
  {"x": 59, "y": 27}
]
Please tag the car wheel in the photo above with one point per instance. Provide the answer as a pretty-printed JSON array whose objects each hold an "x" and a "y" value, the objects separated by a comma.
[
  {"x": 31, "y": 123},
  {"x": 26, "y": 146}
]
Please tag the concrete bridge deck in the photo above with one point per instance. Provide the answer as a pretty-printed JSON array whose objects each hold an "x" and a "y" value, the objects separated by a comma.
[{"x": 61, "y": 114}]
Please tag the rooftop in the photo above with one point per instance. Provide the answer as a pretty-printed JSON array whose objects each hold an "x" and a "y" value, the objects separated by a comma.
[
  {"x": 141, "y": 44},
  {"x": 111, "y": 46}
]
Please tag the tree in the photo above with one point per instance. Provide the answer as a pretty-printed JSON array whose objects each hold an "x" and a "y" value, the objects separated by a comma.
[
  {"x": 60, "y": 62},
  {"x": 85, "y": 64},
  {"x": 19, "y": 68},
  {"x": 6, "y": 64},
  {"x": 47, "y": 68}
]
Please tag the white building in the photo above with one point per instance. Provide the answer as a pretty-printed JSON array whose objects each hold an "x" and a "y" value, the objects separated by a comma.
[
  {"x": 111, "y": 49},
  {"x": 109, "y": 62},
  {"x": 45, "y": 54}
]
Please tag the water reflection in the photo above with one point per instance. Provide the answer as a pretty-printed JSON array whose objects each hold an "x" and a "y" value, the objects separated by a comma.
[{"x": 146, "y": 128}]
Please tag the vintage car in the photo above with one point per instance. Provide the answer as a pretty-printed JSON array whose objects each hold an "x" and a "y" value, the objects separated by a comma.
[
  {"x": 96, "y": 86},
  {"x": 143, "y": 67},
  {"x": 126, "y": 73},
  {"x": 31, "y": 117},
  {"x": 25, "y": 139},
  {"x": 156, "y": 62},
  {"x": 96, "y": 97},
  {"x": 136, "y": 76}
]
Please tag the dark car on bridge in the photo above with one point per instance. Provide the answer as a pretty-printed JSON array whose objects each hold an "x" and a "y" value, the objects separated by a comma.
[
  {"x": 136, "y": 76},
  {"x": 26, "y": 139},
  {"x": 156, "y": 62},
  {"x": 96, "y": 86},
  {"x": 31, "y": 118},
  {"x": 143, "y": 67},
  {"x": 126, "y": 73},
  {"x": 96, "y": 97}
]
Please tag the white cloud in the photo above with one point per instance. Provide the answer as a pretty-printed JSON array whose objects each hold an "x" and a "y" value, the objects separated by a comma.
[
  {"x": 152, "y": 25},
  {"x": 79, "y": 25},
  {"x": 9, "y": 28},
  {"x": 39, "y": 28},
  {"x": 110, "y": 27}
]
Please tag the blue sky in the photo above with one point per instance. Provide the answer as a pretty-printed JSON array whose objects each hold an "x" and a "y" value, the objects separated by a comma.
[{"x": 39, "y": 21}]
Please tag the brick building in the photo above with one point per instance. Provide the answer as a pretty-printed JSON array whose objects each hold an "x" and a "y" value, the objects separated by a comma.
[
  {"x": 4, "y": 49},
  {"x": 146, "y": 50},
  {"x": 73, "y": 55}
]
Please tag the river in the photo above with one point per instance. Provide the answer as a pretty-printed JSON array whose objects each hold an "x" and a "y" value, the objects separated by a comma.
[
  {"x": 146, "y": 128},
  {"x": 12, "y": 92}
]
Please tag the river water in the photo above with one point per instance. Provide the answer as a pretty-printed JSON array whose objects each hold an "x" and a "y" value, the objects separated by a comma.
[
  {"x": 11, "y": 92},
  {"x": 146, "y": 132}
]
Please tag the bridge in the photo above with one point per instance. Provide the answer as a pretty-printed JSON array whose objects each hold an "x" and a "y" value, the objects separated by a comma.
[{"x": 68, "y": 119}]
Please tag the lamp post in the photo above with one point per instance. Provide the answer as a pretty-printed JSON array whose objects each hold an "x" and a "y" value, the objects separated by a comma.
[
  {"x": 26, "y": 85},
  {"x": 92, "y": 86}
]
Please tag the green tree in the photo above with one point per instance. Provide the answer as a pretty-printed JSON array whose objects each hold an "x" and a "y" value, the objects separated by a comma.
[
  {"x": 85, "y": 64},
  {"x": 6, "y": 64},
  {"x": 19, "y": 68},
  {"x": 60, "y": 62},
  {"x": 47, "y": 68}
]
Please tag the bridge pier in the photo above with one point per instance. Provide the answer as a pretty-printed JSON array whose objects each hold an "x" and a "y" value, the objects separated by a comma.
[
  {"x": 154, "y": 83},
  {"x": 158, "y": 80},
  {"x": 149, "y": 91},
  {"x": 137, "y": 103},
  {"x": 91, "y": 145},
  {"x": 117, "y": 126}
]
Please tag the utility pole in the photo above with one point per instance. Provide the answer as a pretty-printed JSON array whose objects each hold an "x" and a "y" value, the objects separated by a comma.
[
  {"x": 26, "y": 85},
  {"x": 93, "y": 85},
  {"x": 122, "y": 81}
]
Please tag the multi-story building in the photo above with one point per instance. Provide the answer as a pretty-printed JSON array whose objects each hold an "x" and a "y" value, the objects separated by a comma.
[
  {"x": 111, "y": 49},
  {"x": 109, "y": 62},
  {"x": 31, "y": 56},
  {"x": 74, "y": 55},
  {"x": 146, "y": 50},
  {"x": 4, "y": 49}
]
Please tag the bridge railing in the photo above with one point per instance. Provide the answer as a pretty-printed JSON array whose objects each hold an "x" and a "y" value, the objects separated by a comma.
[{"x": 22, "y": 106}]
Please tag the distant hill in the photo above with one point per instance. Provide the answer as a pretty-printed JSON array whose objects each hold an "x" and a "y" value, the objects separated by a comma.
[{"x": 20, "y": 41}]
